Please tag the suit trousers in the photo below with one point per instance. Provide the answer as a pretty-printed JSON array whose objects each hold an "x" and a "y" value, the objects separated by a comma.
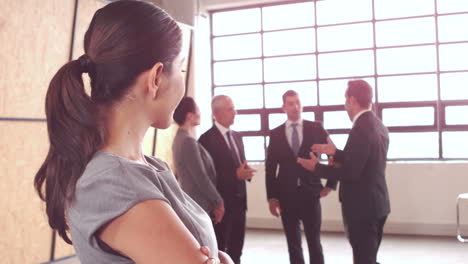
[
  {"x": 365, "y": 237},
  {"x": 302, "y": 206},
  {"x": 230, "y": 232}
]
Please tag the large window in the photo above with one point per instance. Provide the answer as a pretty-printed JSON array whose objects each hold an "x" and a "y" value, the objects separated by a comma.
[{"x": 414, "y": 53}]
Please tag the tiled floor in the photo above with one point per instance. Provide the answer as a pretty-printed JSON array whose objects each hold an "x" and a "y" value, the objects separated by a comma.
[{"x": 269, "y": 247}]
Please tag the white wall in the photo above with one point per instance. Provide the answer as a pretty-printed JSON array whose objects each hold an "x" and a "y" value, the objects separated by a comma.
[
  {"x": 422, "y": 197},
  {"x": 201, "y": 70}
]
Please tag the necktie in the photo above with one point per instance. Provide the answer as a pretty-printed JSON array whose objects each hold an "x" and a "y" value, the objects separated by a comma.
[
  {"x": 295, "y": 139},
  {"x": 240, "y": 185},
  {"x": 295, "y": 145},
  {"x": 233, "y": 150}
]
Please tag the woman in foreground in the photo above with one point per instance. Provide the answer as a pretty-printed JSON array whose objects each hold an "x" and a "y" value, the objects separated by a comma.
[{"x": 118, "y": 205}]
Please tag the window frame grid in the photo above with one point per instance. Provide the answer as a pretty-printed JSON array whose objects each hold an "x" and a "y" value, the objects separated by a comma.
[{"x": 439, "y": 105}]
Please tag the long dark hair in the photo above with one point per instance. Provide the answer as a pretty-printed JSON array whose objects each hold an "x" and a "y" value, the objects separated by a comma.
[{"x": 124, "y": 39}]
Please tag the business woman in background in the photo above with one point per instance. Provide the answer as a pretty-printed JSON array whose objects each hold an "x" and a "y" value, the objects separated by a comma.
[{"x": 194, "y": 165}]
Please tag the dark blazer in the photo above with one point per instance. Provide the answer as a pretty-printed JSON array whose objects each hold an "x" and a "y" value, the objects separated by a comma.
[
  {"x": 363, "y": 188},
  {"x": 228, "y": 185},
  {"x": 280, "y": 154},
  {"x": 195, "y": 170}
]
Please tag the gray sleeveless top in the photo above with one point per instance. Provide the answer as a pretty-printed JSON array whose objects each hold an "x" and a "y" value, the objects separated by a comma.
[{"x": 111, "y": 185}]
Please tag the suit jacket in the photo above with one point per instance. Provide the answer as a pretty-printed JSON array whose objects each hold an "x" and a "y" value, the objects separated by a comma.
[
  {"x": 195, "y": 170},
  {"x": 363, "y": 188},
  {"x": 228, "y": 185},
  {"x": 280, "y": 185}
]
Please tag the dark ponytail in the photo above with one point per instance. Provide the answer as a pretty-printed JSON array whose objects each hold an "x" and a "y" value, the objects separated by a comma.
[
  {"x": 124, "y": 39},
  {"x": 74, "y": 138}
]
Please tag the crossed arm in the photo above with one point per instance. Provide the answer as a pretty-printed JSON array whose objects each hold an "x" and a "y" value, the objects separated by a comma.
[{"x": 151, "y": 232}]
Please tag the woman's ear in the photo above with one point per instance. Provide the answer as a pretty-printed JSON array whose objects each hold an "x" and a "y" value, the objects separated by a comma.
[{"x": 155, "y": 79}]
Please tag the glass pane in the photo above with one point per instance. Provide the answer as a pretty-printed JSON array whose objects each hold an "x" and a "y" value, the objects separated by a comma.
[
  {"x": 234, "y": 22},
  {"x": 237, "y": 47},
  {"x": 339, "y": 140},
  {"x": 237, "y": 94},
  {"x": 344, "y": 37},
  {"x": 407, "y": 88},
  {"x": 413, "y": 145},
  {"x": 237, "y": 72},
  {"x": 308, "y": 116},
  {"x": 453, "y": 57},
  {"x": 332, "y": 92},
  {"x": 247, "y": 123},
  {"x": 414, "y": 116},
  {"x": 346, "y": 64},
  {"x": 406, "y": 31},
  {"x": 454, "y": 144},
  {"x": 451, "y": 29},
  {"x": 254, "y": 148},
  {"x": 403, "y": 8},
  {"x": 454, "y": 86},
  {"x": 451, "y": 6},
  {"x": 336, "y": 120},
  {"x": 416, "y": 59},
  {"x": 289, "y": 42},
  {"x": 276, "y": 120},
  {"x": 274, "y": 93},
  {"x": 342, "y": 11},
  {"x": 288, "y": 16},
  {"x": 289, "y": 68},
  {"x": 457, "y": 115}
]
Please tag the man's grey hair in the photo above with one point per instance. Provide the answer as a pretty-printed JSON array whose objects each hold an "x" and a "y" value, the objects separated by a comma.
[{"x": 218, "y": 101}]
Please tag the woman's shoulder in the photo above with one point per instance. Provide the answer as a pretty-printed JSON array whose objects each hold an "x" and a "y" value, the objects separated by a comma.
[
  {"x": 186, "y": 143},
  {"x": 158, "y": 164},
  {"x": 107, "y": 167},
  {"x": 110, "y": 179},
  {"x": 100, "y": 165},
  {"x": 182, "y": 139}
]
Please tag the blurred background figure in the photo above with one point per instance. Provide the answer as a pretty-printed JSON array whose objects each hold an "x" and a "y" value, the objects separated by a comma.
[
  {"x": 194, "y": 166},
  {"x": 227, "y": 149},
  {"x": 360, "y": 168},
  {"x": 291, "y": 192}
]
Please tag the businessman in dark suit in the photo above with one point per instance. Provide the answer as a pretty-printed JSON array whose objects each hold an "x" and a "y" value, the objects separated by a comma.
[
  {"x": 227, "y": 150},
  {"x": 291, "y": 192},
  {"x": 360, "y": 168}
]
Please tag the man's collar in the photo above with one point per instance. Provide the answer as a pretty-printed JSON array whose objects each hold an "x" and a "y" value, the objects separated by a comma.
[
  {"x": 221, "y": 128},
  {"x": 359, "y": 114},
  {"x": 298, "y": 122}
]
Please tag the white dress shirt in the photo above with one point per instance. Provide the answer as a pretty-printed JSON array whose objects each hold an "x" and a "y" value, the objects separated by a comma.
[
  {"x": 289, "y": 131},
  {"x": 223, "y": 131}
]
